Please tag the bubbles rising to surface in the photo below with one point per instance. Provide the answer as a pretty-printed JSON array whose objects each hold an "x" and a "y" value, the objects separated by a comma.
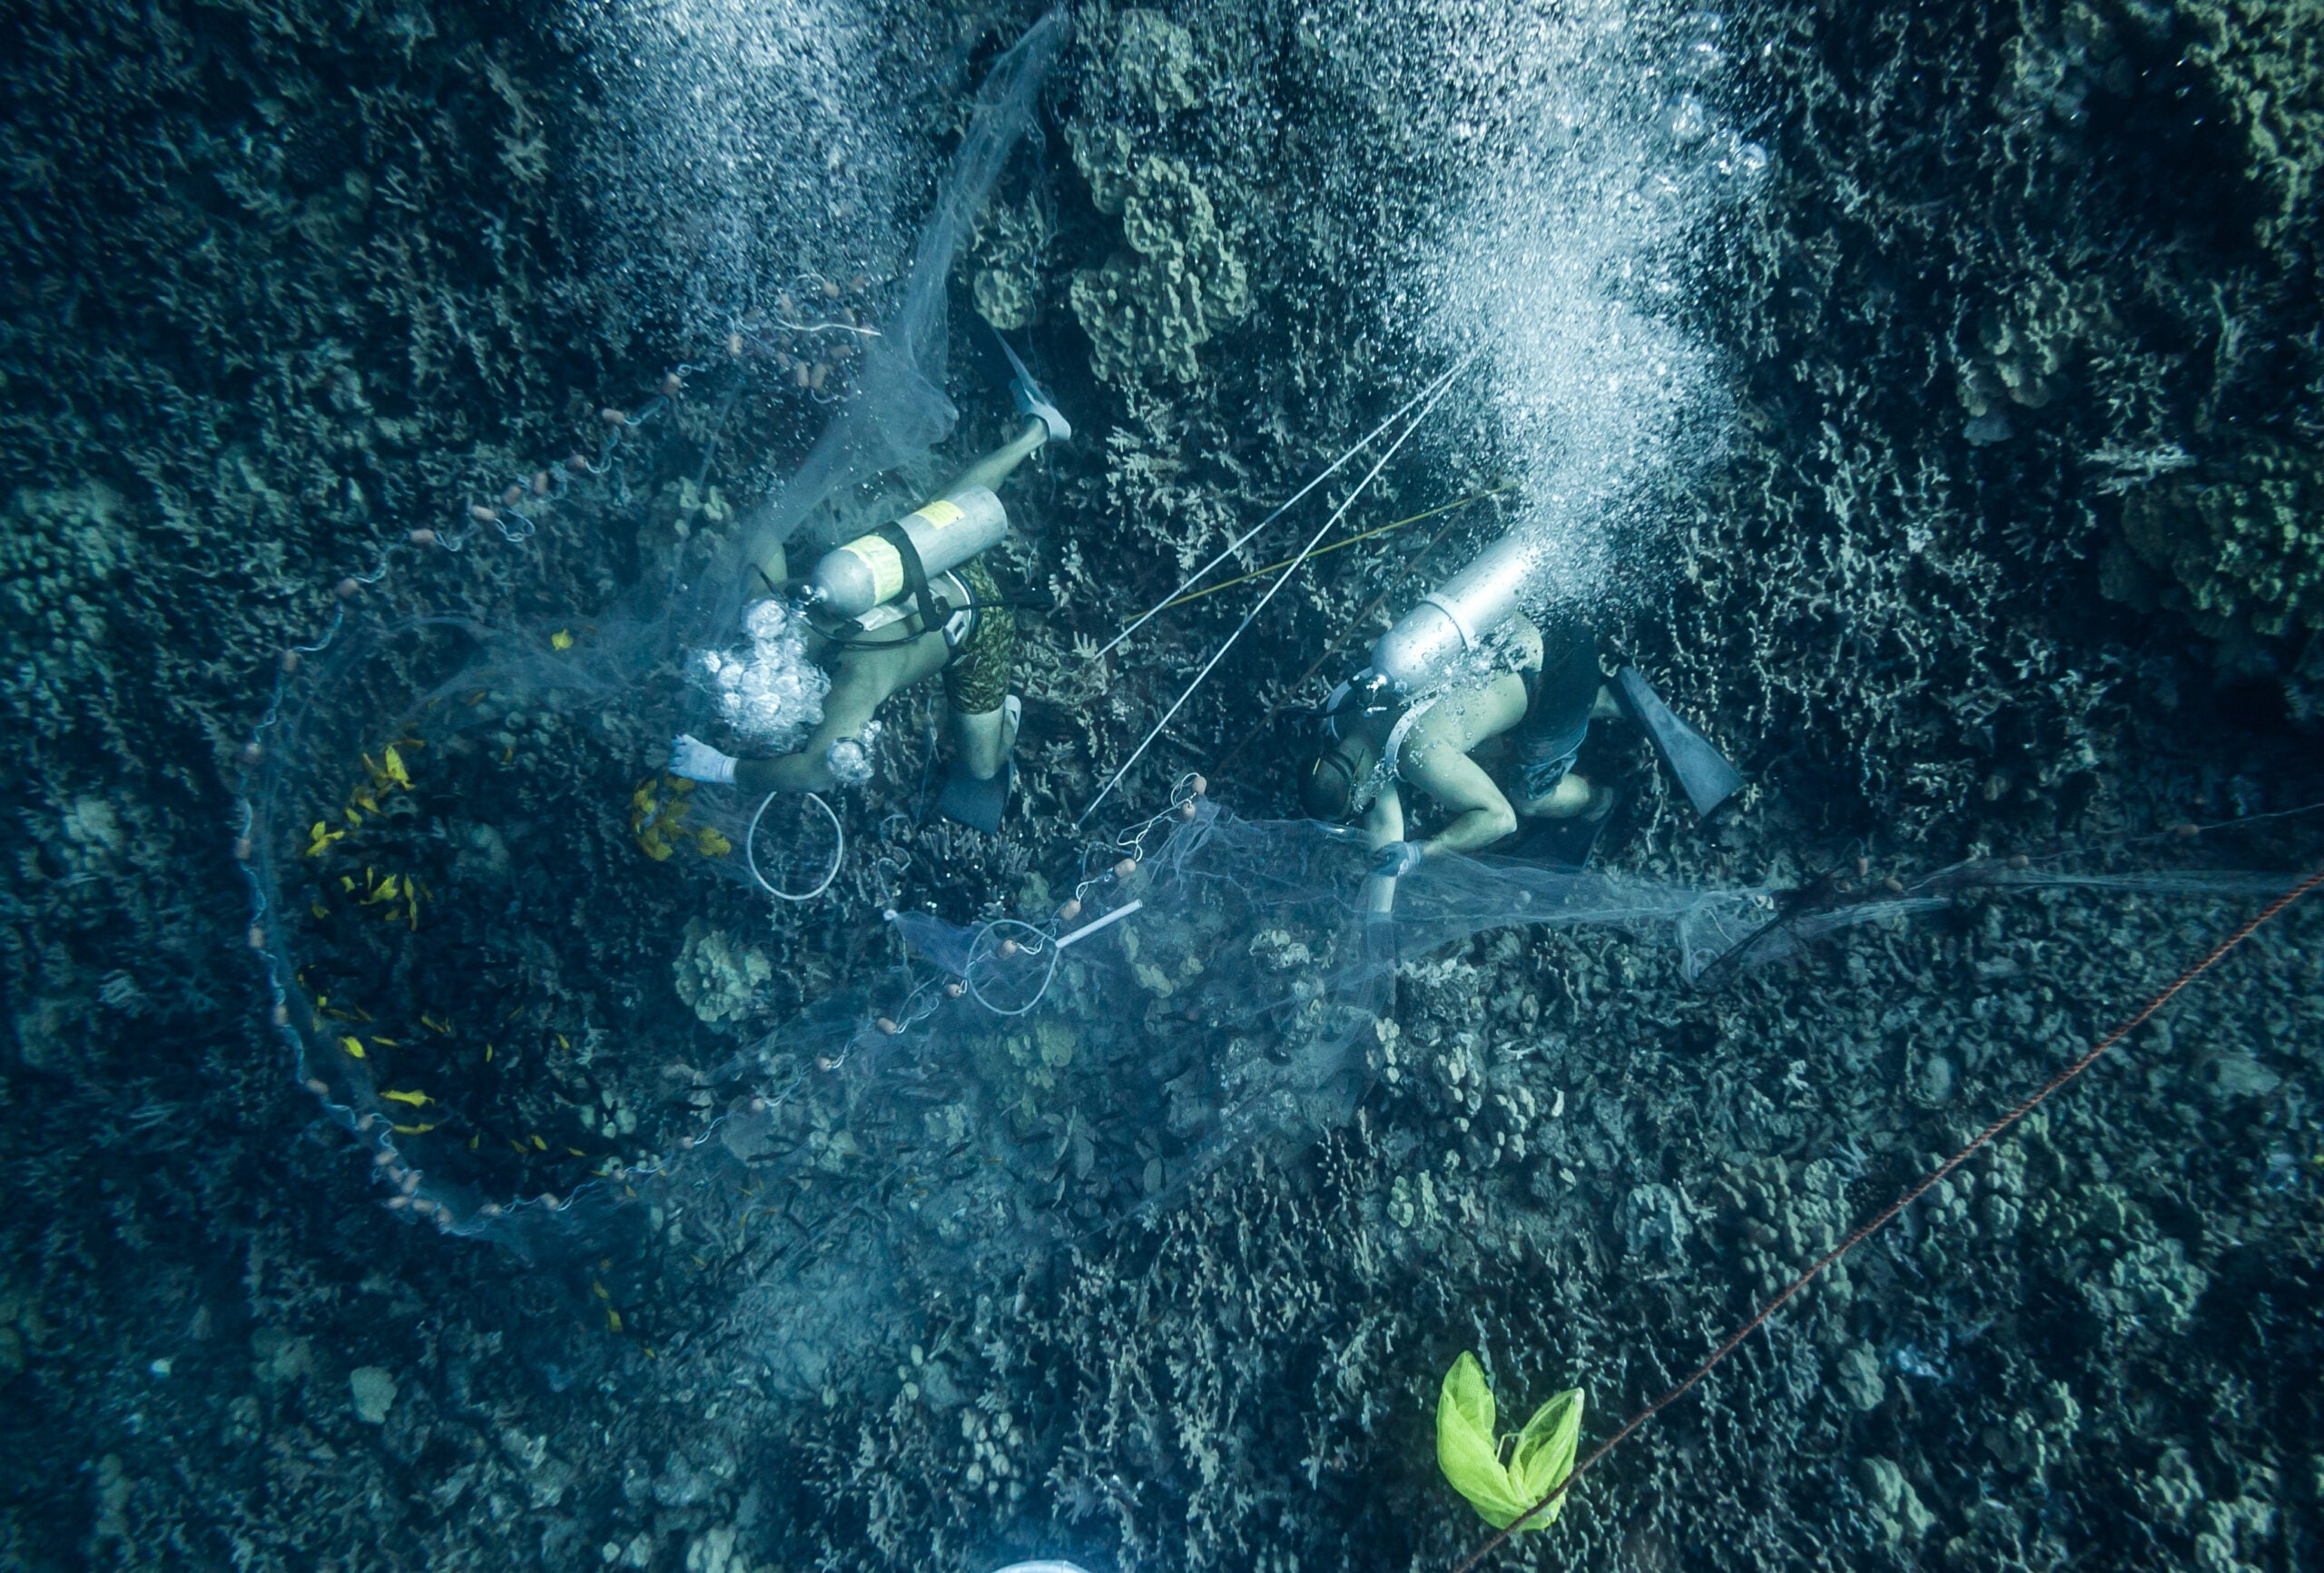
[
  {"x": 1701, "y": 45},
  {"x": 1584, "y": 153},
  {"x": 771, "y": 695},
  {"x": 746, "y": 149}
]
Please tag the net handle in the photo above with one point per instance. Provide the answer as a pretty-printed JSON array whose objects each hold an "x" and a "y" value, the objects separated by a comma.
[{"x": 838, "y": 850}]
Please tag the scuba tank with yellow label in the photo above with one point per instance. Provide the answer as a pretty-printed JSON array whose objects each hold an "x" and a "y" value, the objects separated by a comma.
[{"x": 898, "y": 559}]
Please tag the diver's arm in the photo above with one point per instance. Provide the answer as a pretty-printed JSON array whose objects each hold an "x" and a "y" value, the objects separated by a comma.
[
  {"x": 1383, "y": 822},
  {"x": 1384, "y": 826},
  {"x": 808, "y": 770},
  {"x": 766, "y": 573},
  {"x": 862, "y": 680}
]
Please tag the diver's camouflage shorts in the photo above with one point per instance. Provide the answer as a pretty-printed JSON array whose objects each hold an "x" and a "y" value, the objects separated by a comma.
[{"x": 978, "y": 679}]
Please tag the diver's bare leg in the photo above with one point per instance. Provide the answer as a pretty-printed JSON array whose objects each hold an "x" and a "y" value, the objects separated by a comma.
[
  {"x": 1572, "y": 795},
  {"x": 1435, "y": 758},
  {"x": 983, "y": 742},
  {"x": 1482, "y": 816},
  {"x": 1001, "y": 462}
]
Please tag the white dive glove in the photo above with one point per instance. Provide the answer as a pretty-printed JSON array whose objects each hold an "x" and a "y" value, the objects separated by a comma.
[
  {"x": 1397, "y": 858},
  {"x": 697, "y": 761}
]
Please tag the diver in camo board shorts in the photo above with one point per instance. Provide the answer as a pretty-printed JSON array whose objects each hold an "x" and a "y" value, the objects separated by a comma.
[{"x": 895, "y": 607}]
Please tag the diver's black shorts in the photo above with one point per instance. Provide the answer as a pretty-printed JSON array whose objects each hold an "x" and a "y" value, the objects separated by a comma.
[
  {"x": 976, "y": 681},
  {"x": 1557, "y": 714}
]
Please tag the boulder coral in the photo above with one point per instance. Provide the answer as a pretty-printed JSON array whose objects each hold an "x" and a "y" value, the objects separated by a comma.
[
  {"x": 1147, "y": 311},
  {"x": 717, "y": 979}
]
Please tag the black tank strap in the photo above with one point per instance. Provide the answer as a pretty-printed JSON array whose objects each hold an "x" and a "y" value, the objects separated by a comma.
[{"x": 915, "y": 575}]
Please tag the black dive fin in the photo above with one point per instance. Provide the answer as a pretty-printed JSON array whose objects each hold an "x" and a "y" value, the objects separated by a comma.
[
  {"x": 1702, "y": 772},
  {"x": 978, "y": 804}
]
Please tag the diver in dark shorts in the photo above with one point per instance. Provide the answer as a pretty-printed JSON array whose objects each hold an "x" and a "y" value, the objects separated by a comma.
[{"x": 1544, "y": 689}]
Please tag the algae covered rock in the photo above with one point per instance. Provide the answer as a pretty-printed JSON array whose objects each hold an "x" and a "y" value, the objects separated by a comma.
[
  {"x": 1655, "y": 1225},
  {"x": 2239, "y": 545},
  {"x": 1149, "y": 309},
  {"x": 373, "y": 1391},
  {"x": 718, "y": 979}
]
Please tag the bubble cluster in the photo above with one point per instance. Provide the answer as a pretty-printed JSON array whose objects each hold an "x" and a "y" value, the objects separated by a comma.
[
  {"x": 1589, "y": 159},
  {"x": 850, "y": 758},
  {"x": 740, "y": 145},
  {"x": 771, "y": 696}
]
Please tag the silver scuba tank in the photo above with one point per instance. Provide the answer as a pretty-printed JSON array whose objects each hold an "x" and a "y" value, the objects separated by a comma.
[
  {"x": 1454, "y": 617},
  {"x": 852, "y": 579}
]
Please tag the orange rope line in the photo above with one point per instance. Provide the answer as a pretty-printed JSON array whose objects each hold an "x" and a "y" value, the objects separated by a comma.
[{"x": 1888, "y": 1215}]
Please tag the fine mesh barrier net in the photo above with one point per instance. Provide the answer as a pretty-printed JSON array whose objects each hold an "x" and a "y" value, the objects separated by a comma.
[{"x": 493, "y": 970}]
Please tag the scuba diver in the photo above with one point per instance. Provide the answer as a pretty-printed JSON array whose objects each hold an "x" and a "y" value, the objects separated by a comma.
[
  {"x": 894, "y": 608},
  {"x": 1545, "y": 687},
  {"x": 1462, "y": 668}
]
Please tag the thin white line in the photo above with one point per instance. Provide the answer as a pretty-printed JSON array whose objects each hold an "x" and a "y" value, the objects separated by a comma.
[
  {"x": 1238, "y": 544},
  {"x": 1440, "y": 385}
]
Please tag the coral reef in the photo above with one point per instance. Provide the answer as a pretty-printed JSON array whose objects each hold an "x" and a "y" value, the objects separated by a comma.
[
  {"x": 2238, "y": 545},
  {"x": 2265, "y": 69},
  {"x": 2025, "y": 353},
  {"x": 1010, "y": 259},
  {"x": 290, "y": 283},
  {"x": 1154, "y": 60},
  {"x": 1148, "y": 310},
  {"x": 2225, "y": 545},
  {"x": 58, "y": 550},
  {"x": 719, "y": 979}
]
